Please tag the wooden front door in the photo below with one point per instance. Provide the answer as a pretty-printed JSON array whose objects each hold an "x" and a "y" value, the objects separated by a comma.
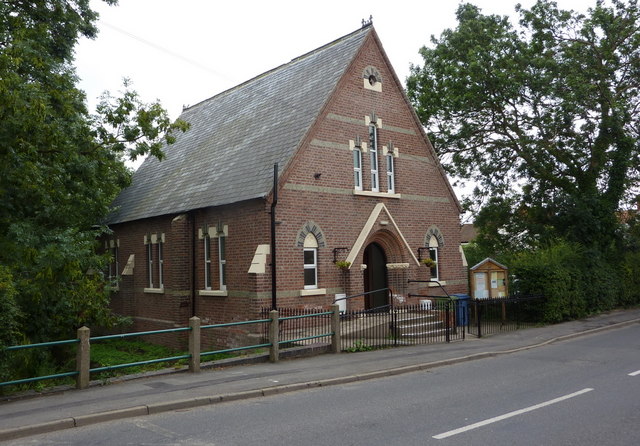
[{"x": 375, "y": 276}]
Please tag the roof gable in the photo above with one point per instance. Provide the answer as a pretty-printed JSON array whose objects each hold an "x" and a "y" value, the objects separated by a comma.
[
  {"x": 488, "y": 262},
  {"x": 237, "y": 136}
]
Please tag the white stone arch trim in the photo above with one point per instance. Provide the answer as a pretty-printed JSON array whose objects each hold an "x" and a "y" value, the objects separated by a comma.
[
  {"x": 433, "y": 231},
  {"x": 370, "y": 70},
  {"x": 310, "y": 228},
  {"x": 371, "y": 79},
  {"x": 367, "y": 229}
]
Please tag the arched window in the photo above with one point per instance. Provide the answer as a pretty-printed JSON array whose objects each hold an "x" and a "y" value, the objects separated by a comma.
[
  {"x": 310, "y": 262},
  {"x": 433, "y": 254}
]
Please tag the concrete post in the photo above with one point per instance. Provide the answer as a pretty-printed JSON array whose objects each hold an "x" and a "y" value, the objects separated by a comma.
[
  {"x": 335, "y": 328},
  {"x": 274, "y": 336},
  {"x": 83, "y": 358},
  {"x": 194, "y": 344}
]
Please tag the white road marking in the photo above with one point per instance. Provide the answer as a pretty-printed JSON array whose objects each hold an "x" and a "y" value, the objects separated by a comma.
[
  {"x": 509, "y": 415},
  {"x": 636, "y": 373}
]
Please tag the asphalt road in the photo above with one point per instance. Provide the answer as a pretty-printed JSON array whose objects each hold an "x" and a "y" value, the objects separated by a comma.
[{"x": 580, "y": 392}]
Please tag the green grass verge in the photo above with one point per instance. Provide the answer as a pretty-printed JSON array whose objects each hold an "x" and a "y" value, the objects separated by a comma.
[{"x": 120, "y": 351}]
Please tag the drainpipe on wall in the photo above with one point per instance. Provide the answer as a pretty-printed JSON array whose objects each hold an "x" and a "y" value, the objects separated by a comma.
[
  {"x": 274, "y": 299},
  {"x": 194, "y": 237}
]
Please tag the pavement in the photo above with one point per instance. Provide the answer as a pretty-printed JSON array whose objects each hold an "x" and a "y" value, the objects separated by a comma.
[{"x": 171, "y": 389}]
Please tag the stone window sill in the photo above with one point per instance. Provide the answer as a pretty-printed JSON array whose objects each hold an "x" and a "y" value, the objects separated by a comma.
[
  {"x": 219, "y": 293},
  {"x": 442, "y": 282},
  {"x": 367, "y": 193},
  {"x": 314, "y": 292},
  {"x": 154, "y": 290}
]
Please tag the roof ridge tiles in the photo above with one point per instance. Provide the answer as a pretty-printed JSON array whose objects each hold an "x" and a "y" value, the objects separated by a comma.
[{"x": 281, "y": 66}]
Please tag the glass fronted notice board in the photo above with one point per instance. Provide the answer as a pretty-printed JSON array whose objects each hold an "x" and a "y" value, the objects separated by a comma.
[{"x": 489, "y": 280}]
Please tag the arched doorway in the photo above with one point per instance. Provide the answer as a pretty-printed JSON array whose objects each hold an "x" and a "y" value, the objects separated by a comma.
[{"x": 375, "y": 276}]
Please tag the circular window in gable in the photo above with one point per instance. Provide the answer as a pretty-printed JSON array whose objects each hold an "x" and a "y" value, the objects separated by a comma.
[{"x": 372, "y": 77}]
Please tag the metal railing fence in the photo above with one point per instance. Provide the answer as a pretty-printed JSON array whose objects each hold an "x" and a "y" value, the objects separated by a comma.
[
  {"x": 300, "y": 326},
  {"x": 264, "y": 321},
  {"x": 44, "y": 377},
  {"x": 435, "y": 319},
  {"x": 495, "y": 315},
  {"x": 273, "y": 342},
  {"x": 138, "y": 363},
  {"x": 398, "y": 325}
]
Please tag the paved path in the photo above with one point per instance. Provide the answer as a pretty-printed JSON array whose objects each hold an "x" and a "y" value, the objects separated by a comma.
[{"x": 170, "y": 391}]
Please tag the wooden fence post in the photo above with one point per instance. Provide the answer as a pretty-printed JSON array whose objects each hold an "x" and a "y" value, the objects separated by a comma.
[
  {"x": 194, "y": 344},
  {"x": 274, "y": 338},
  {"x": 83, "y": 358}
]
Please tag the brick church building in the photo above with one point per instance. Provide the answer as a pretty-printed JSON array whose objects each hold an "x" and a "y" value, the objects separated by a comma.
[{"x": 358, "y": 185}]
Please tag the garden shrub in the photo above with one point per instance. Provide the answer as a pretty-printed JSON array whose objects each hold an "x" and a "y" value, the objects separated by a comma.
[
  {"x": 554, "y": 272},
  {"x": 9, "y": 319},
  {"x": 630, "y": 279}
]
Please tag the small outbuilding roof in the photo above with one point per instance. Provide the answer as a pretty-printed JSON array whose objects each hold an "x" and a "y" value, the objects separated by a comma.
[{"x": 485, "y": 261}]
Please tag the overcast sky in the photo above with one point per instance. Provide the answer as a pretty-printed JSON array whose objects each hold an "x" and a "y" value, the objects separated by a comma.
[{"x": 185, "y": 51}]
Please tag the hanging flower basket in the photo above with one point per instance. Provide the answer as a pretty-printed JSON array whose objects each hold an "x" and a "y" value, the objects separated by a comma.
[
  {"x": 343, "y": 265},
  {"x": 429, "y": 263}
]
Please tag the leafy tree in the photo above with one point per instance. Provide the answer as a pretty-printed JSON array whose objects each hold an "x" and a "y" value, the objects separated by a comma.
[
  {"x": 60, "y": 167},
  {"x": 544, "y": 116}
]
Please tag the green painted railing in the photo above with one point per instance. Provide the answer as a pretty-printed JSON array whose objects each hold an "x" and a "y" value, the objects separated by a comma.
[
  {"x": 82, "y": 374},
  {"x": 42, "y": 344},
  {"x": 236, "y": 349},
  {"x": 139, "y": 333},
  {"x": 40, "y": 378}
]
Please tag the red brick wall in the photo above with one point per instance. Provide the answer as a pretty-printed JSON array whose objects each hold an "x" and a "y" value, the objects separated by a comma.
[
  {"x": 327, "y": 200},
  {"x": 340, "y": 214}
]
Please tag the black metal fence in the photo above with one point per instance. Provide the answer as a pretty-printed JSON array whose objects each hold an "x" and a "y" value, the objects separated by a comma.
[
  {"x": 433, "y": 321},
  {"x": 490, "y": 316}
]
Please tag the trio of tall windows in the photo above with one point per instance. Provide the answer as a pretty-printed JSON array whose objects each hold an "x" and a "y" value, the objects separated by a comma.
[{"x": 374, "y": 163}]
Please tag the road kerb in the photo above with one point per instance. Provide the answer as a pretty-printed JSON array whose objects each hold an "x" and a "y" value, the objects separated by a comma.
[
  {"x": 241, "y": 395},
  {"x": 35, "y": 429},
  {"x": 337, "y": 381},
  {"x": 286, "y": 388},
  {"x": 177, "y": 405},
  {"x": 137, "y": 411}
]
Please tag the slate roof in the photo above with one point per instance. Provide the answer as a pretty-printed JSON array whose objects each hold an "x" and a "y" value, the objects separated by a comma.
[{"x": 236, "y": 137}]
